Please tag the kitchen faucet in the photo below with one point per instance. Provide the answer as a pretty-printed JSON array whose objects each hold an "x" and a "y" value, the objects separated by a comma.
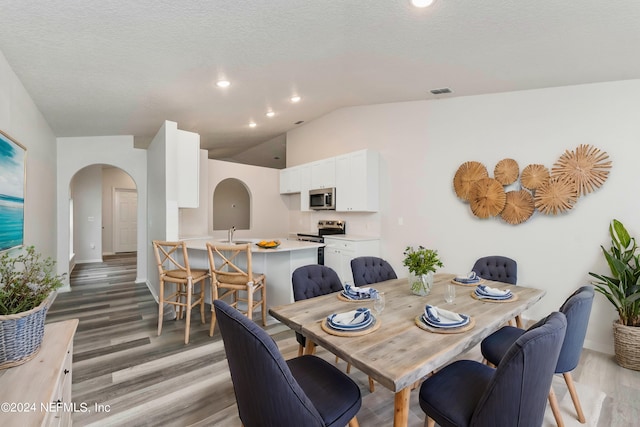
[{"x": 231, "y": 231}]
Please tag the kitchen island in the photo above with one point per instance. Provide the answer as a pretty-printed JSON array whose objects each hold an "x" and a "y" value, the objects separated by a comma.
[{"x": 277, "y": 264}]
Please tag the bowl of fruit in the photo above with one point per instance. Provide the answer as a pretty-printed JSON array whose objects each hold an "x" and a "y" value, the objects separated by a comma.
[{"x": 268, "y": 244}]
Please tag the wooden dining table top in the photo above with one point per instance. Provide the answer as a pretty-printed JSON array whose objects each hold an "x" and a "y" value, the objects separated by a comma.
[{"x": 399, "y": 353}]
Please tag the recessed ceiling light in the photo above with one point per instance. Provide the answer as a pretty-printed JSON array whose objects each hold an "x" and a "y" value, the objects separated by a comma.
[
  {"x": 422, "y": 3},
  {"x": 223, "y": 83},
  {"x": 295, "y": 98},
  {"x": 252, "y": 125},
  {"x": 270, "y": 114}
]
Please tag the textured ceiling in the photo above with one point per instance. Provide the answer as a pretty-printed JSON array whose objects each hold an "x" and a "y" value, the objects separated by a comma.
[{"x": 105, "y": 67}]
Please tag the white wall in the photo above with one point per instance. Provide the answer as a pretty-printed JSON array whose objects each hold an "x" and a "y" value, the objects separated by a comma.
[
  {"x": 269, "y": 210},
  {"x": 422, "y": 144},
  {"x": 87, "y": 215},
  {"x": 76, "y": 153},
  {"x": 21, "y": 119}
]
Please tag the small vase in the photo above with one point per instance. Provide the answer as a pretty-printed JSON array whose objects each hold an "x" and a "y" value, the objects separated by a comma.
[{"x": 421, "y": 284}]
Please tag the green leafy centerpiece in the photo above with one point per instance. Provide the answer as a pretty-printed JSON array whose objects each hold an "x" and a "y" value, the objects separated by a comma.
[
  {"x": 27, "y": 289},
  {"x": 422, "y": 264}
]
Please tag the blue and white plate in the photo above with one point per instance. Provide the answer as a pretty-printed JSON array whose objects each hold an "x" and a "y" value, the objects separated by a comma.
[
  {"x": 366, "y": 321},
  {"x": 358, "y": 297},
  {"x": 463, "y": 322}
]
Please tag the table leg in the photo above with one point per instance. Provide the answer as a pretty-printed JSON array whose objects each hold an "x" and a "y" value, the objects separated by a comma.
[
  {"x": 310, "y": 347},
  {"x": 401, "y": 415}
]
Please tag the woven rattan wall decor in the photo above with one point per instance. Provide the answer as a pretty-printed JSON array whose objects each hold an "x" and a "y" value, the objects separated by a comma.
[{"x": 514, "y": 197}]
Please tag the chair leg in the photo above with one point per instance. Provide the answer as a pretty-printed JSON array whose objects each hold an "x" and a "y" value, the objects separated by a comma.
[
  {"x": 203, "y": 318},
  {"x": 372, "y": 386},
  {"x": 300, "y": 350},
  {"x": 348, "y": 368},
  {"x": 574, "y": 396},
  {"x": 160, "y": 307},
  {"x": 264, "y": 302},
  {"x": 250, "y": 302},
  {"x": 519, "y": 322},
  {"x": 354, "y": 422},
  {"x": 214, "y": 296},
  {"x": 429, "y": 422},
  {"x": 188, "y": 313},
  {"x": 555, "y": 409}
]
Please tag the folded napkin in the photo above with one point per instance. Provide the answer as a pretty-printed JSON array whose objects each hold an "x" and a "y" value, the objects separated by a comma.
[
  {"x": 353, "y": 317},
  {"x": 485, "y": 291},
  {"x": 441, "y": 316},
  {"x": 358, "y": 293},
  {"x": 471, "y": 277}
]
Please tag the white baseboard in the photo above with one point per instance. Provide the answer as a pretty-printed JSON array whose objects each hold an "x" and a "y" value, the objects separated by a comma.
[{"x": 600, "y": 347}]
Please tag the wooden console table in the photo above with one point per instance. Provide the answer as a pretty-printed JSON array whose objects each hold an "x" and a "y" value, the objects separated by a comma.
[{"x": 38, "y": 392}]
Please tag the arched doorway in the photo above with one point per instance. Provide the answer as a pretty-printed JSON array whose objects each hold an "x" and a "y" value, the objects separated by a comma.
[
  {"x": 231, "y": 205},
  {"x": 103, "y": 213}
]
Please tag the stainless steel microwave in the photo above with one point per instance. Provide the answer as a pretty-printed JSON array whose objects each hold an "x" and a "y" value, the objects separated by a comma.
[{"x": 322, "y": 199}]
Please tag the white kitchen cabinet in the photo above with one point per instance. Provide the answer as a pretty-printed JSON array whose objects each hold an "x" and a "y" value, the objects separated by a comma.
[
  {"x": 323, "y": 173},
  {"x": 305, "y": 186},
  {"x": 188, "y": 167},
  {"x": 357, "y": 182},
  {"x": 290, "y": 180},
  {"x": 339, "y": 251}
]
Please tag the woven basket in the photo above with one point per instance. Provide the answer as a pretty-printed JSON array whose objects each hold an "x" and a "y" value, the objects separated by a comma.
[
  {"x": 626, "y": 342},
  {"x": 21, "y": 334}
]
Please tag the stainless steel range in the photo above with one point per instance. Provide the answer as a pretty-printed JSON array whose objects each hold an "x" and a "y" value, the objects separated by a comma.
[{"x": 325, "y": 228}]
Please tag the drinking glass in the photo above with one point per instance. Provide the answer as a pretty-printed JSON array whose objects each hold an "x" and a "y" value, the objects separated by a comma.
[
  {"x": 378, "y": 302},
  {"x": 450, "y": 293}
]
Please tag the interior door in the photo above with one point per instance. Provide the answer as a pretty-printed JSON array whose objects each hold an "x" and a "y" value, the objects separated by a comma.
[{"x": 125, "y": 221}]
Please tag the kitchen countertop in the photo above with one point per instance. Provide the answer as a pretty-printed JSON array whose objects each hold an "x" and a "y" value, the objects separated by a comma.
[
  {"x": 285, "y": 245},
  {"x": 351, "y": 237}
]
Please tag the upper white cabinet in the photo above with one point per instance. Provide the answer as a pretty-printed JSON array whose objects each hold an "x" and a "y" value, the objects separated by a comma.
[
  {"x": 357, "y": 183},
  {"x": 323, "y": 173},
  {"x": 290, "y": 180},
  {"x": 188, "y": 167}
]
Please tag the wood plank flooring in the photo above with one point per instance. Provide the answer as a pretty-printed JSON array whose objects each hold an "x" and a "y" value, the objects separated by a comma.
[{"x": 139, "y": 379}]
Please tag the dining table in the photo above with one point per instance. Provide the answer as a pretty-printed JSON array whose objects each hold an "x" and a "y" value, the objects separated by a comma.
[{"x": 398, "y": 351}]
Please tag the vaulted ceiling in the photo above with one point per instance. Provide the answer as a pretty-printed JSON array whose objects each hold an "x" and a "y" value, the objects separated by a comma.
[{"x": 112, "y": 67}]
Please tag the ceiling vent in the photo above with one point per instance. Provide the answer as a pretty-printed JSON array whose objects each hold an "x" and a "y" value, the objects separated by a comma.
[{"x": 441, "y": 91}]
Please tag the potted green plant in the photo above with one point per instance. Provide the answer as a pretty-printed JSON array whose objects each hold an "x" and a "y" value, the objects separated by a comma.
[
  {"x": 422, "y": 264},
  {"x": 622, "y": 289},
  {"x": 27, "y": 289}
]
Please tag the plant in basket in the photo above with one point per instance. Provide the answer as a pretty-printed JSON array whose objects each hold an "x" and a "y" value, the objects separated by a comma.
[
  {"x": 27, "y": 287},
  {"x": 422, "y": 264},
  {"x": 622, "y": 289}
]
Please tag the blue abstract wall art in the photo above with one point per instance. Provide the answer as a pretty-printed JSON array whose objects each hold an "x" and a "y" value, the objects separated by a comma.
[{"x": 12, "y": 182}]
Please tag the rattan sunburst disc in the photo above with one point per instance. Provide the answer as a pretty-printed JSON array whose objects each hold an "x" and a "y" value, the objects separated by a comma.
[
  {"x": 466, "y": 175},
  {"x": 558, "y": 195},
  {"x": 518, "y": 207},
  {"x": 587, "y": 166},
  {"x": 487, "y": 198},
  {"x": 533, "y": 176},
  {"x": 506, "y": 171}
]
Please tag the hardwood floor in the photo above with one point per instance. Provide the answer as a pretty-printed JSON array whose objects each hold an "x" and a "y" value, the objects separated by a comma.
[{"x": 139, "y": 379}]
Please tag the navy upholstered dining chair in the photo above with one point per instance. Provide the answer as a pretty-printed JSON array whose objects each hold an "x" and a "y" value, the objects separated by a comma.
[
  {"x": 303, "y": 391},
  {"x": 370, "y": 269},
  {"x": 498, "y": 268},
  {"x": 311, "y": 281},
  {"x": 467, "y": 392},
  {"x": 577, "y": 309}
]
